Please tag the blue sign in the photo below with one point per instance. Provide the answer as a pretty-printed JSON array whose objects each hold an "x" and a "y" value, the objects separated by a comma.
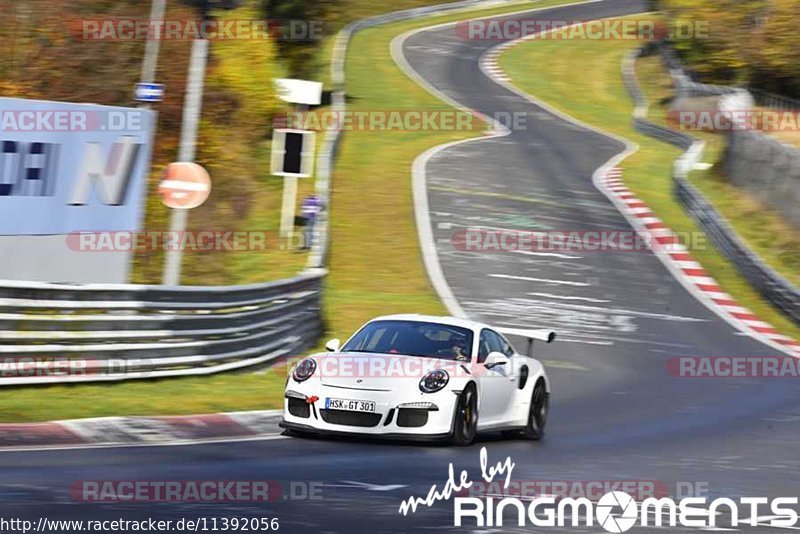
[
  {"x": 72, "y": 167},
  {"x": 149, "y": 92}
]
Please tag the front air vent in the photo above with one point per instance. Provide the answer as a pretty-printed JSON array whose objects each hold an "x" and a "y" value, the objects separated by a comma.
[
  {"x": 412, "y": 417},
  {"x": 299, "y": 407},
  {"x": 348, "y": 418}
]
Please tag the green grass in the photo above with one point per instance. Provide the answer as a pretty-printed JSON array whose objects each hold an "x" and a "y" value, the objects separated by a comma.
[
  {"x": 583, "y": 79},
  {"x": 375, "y": 261},
  {"x": 174, "y": 396}
]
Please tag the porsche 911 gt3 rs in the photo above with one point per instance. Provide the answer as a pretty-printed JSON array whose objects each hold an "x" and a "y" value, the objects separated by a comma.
[{"x": 420, "y": 377}]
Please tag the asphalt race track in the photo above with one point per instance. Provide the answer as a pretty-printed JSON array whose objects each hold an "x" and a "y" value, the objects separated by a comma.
[{"x": 616, "y": 414}]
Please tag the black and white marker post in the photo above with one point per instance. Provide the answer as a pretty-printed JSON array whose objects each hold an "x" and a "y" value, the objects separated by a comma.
[{"x": 293, "y": 149}]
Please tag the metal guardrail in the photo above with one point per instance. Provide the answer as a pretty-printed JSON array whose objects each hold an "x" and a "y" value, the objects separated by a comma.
[
  {"x": 761, "y": 276},
  {"x": 52, "y": 333},
  {"x": 772, "y": 101}
]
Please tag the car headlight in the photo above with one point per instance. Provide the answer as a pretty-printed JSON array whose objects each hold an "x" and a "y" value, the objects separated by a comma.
[
  {"x": 434, "y": 381},
  {"x": 304, "y": 370}
]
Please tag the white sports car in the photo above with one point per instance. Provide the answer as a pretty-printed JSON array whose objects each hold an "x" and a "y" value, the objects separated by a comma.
[{"x": 420, "y": 377}]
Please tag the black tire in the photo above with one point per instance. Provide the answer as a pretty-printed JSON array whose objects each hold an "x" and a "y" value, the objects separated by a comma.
[
  {"x": 537, "y": 415},
  {"x": 465, "y": 422}
]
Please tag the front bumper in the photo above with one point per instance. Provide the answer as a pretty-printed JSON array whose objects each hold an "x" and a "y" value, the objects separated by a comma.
[
  {"x": 396, "y": 416},
  {"x": 399, "y": 436}
]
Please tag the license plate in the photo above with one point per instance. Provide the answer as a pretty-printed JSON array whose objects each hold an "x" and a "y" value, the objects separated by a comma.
[{"x": 350, "y": 405}]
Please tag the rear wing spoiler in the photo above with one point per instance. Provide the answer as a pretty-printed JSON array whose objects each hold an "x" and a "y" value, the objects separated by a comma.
[{"x": 548, "y": 336}]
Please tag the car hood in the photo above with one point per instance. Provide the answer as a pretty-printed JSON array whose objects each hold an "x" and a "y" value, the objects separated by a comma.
[{"x": 381, "y": 372}]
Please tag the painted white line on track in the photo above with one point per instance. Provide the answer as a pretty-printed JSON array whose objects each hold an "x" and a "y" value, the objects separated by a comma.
[
  {"x": 548, "y": 254},
  {"x": 543, "y": 280},
  {"x": 473, "y": 227},
  {"x": 586, "y": 342},
  {"x": 177, "y": 443},
  {"x": 565, "y": 297}
]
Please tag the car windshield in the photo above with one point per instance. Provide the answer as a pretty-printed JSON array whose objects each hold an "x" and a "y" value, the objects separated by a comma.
[{"x": 413, "y": 338}]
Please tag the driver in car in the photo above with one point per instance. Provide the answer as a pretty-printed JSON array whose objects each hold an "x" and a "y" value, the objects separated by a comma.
[{"x": 460, "y": 351}]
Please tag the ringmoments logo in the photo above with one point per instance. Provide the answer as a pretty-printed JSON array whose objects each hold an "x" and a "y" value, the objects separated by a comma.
[
  {"x": 605, "y": 511},
  {"x": 615, "y": 511}
]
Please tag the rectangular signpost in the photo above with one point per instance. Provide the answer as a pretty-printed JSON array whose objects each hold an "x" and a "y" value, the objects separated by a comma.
[
  {"x": 149, "y": 92},
  {"x": 293, "y": 150},
  {"x": 292, "y": 157}
]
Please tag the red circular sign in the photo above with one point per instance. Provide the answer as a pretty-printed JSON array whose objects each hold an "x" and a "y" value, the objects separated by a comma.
[{"x": 185, "y": 185}]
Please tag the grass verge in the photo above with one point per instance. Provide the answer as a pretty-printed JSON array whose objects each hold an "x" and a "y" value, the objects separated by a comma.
[
  {"x": 173, "y": 396},
  {"x": 568, "y": 71}
]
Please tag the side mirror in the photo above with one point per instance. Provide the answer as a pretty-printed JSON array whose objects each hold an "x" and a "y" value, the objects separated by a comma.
[
  {"x": 333, "y": 345},
  {"x": 494, "y": 359}
]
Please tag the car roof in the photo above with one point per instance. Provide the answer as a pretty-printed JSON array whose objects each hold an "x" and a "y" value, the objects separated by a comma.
[{"x": 440, "y": 319}]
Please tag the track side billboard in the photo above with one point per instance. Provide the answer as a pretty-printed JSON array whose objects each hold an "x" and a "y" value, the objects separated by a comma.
[{"x": 65, "y": 168}]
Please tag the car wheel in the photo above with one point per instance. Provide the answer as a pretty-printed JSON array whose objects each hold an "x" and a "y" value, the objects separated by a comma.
[
  {"x": 465, "y": 424},
  {"x": 537, "y": 414}
]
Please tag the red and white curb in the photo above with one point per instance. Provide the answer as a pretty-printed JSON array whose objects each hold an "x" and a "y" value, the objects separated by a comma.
[
  {"x": 489, "y": 63},
  {"x": 666, "y": 244},
  {"x": 132, "y": 431}
]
